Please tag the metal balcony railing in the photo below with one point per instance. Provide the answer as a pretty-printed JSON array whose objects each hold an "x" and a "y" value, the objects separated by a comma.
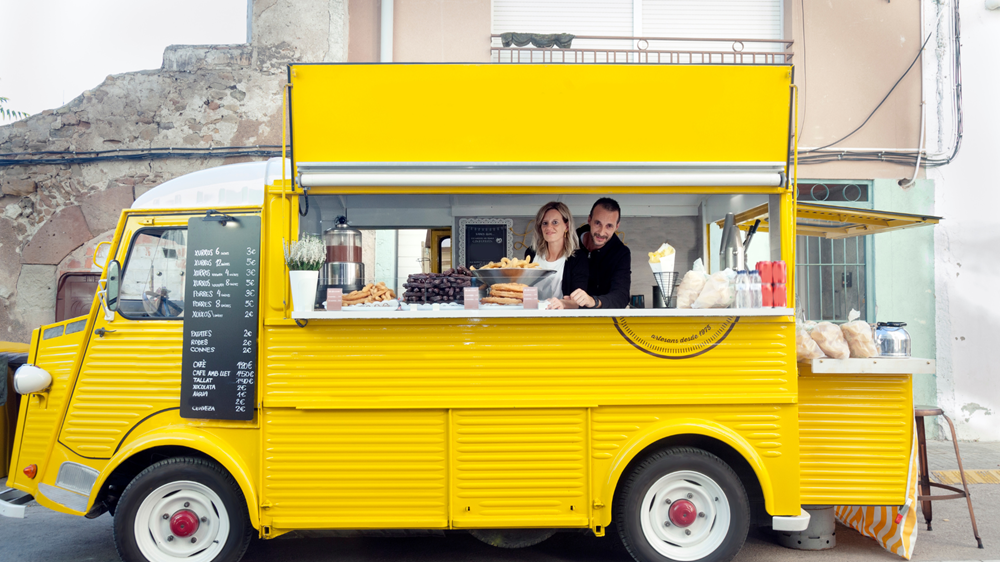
[{"x": 652, "y": 50}]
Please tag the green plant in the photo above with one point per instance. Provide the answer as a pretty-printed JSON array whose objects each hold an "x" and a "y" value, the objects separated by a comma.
[
  {"x": 10, "y": 113},
  {"x": 305, "y": 254}
]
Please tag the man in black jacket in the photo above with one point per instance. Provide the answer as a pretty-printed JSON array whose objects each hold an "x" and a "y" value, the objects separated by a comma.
[{"x": 610, "y": 260}]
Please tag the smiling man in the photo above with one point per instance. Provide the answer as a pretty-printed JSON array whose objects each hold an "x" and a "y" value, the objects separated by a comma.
[{"x": 610, "y": 260}]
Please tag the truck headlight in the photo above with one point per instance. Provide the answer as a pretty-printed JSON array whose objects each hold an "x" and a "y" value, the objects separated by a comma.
[{"x": 29, "y": 378}]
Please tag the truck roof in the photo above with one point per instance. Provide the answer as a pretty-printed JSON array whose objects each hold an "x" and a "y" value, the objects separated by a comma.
[{"x": 233, "y": 185}]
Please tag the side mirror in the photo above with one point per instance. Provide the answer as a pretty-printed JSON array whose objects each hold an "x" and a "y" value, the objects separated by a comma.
[
  {"x": 114, "y": 284},
  {"x": 101, "y": 254}
]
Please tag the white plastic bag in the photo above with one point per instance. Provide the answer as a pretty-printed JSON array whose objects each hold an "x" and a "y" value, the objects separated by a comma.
[
  {"x": 831, "y": 340},
  {"x": 805, "y": 348},
  {"x": 718, "y": 291},
  {"x": 859, "y": 336},
  {"x": 691, "y": 285}
]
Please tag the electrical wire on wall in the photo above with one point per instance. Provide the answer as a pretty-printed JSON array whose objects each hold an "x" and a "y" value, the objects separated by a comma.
[
  {"x": 823, "y": 154},
  {"x": 12, "y": 159}
]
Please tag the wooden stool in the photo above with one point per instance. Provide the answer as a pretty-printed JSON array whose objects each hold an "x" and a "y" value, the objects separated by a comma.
[{"x": 925, "y": 498}]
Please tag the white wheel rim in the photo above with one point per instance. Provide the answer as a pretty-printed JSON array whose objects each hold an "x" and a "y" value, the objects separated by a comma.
[
  {"x": 152, "y": 531},
  {"x": 701, "y": 537}
]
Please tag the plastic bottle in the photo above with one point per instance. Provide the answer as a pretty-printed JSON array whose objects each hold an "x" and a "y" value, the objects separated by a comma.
[
  {"x": 742, "y": 289},
  {"x": 756, "y": 296}
]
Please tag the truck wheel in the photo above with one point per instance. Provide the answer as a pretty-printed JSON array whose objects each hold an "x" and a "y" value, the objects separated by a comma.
[
  {"x": 682, "y": 504},
  {"x": 182, "y": 508}
]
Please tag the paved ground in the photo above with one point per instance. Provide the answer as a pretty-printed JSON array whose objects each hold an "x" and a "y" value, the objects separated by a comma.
[{"x": 53, "y": 537}]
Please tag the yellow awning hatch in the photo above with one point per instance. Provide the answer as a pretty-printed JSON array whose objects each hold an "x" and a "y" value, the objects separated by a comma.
[{"x": 831, "y": 222}]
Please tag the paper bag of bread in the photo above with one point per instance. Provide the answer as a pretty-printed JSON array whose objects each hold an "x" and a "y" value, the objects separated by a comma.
[
  {"x": 691, "y": 285},
  {"x": 718, "y": 291},
  {"x": 831, "y": 340},
  {"x": 859, "y": 336},
  {"x": 806, "y": 349}
]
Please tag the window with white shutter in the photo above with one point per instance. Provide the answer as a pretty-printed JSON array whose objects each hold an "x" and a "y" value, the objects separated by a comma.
[{"x": 711, "y": 19}]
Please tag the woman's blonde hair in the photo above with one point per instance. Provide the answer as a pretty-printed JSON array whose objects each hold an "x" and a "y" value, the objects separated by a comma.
[{"x": 570, "y": 243}]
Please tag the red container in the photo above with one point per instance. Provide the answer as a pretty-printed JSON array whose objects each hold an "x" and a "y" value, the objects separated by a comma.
[
  {"x": 766, "y": 293},
  {"x": 764, "y": 268},
  {"x": 778, "y": 272},
  {"x": 778, "y": 297}
]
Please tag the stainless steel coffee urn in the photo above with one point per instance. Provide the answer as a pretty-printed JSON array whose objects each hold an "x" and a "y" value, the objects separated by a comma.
[{"x": 343, "y": 268}]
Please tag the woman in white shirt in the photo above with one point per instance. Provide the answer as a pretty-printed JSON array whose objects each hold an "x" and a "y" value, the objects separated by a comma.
[{"x": 555, "y": 246}]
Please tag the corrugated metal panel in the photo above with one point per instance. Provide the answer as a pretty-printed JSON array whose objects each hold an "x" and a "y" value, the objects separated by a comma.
[
  {"x": 520, "y": 468},
  {"x": 57, "y": 356},
  {"x": 355, "y": 469},
  {"x": 494, "y": 363},
  {"x": 770, "y": 429},
  {"x": 855, "y": 435},
  {"x": 119, "y": 385}
]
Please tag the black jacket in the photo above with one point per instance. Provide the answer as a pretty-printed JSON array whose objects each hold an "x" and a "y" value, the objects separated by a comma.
[
  {"x": 610, "y": 279},
  {"x": 575, "y": 272}
]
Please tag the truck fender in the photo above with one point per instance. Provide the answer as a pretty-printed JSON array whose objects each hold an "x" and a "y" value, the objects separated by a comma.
[
  {"x": 192, "y": 438},
  {"x": 684, "y": 426}
]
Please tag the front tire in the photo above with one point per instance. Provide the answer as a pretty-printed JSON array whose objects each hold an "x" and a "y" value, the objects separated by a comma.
[
  {"x": 682, "y": 505},
  {"x": 182, "y": 508}
]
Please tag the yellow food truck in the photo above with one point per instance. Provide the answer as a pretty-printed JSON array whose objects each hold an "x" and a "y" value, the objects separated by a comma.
[{"x": 200, "y": 408}]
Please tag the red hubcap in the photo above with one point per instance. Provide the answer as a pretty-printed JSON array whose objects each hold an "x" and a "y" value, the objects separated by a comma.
[
  {"x": 184, "y": 523},
  {"x": 682, "y": 513}
]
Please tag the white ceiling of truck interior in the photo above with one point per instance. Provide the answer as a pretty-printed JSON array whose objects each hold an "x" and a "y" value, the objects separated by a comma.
[{"x": 422, "y": 211}]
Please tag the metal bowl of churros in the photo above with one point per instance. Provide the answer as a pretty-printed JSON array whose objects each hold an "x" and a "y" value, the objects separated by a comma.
[{"x": 509, "y": 270}]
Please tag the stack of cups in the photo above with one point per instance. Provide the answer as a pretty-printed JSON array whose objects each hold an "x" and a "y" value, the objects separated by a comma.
[{"x": 772, "y": 283}]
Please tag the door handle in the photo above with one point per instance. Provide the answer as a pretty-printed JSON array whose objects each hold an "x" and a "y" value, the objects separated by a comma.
[{"x": 101, "y": 331}]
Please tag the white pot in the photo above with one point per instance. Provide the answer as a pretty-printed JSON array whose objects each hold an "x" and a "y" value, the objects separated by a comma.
[{"x": 303, "y": 289}]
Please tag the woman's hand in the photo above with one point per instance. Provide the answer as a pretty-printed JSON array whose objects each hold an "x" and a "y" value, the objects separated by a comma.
[{"x": 555, "y": 304}]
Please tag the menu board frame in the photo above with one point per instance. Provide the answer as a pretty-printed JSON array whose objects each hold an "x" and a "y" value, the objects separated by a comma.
[
  {"x": 507, "y": 244},
  {"x": 222, "y": 318}
]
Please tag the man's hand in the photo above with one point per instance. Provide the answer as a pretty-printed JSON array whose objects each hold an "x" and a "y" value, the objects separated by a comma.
[{"x": 581, "y": 298}]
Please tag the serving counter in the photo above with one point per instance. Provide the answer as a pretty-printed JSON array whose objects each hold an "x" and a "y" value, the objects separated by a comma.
[{"x": 517, "y": 312}]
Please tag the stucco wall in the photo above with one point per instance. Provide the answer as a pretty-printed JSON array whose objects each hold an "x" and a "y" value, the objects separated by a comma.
[
  {"x": 967, "y": 241},
  {"x": 203, "y": 96},
  {"x": 903, "y": 275},
  {"x": 847, "y": 57}
]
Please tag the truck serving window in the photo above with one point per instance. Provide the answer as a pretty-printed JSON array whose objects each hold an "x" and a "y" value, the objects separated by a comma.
[{"x": 153, "y": 281}]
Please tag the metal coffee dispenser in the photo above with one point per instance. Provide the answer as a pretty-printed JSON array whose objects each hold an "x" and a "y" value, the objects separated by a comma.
[{"x": 343, "y": 268}]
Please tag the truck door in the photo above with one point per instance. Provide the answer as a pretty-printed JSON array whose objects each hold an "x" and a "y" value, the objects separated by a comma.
[{"x": 132, "y": 367}]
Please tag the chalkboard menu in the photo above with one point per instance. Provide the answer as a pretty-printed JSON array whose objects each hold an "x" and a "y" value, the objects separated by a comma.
[
  {"x": 484, "y": 240},
  {"x": 220, "y": 318}
]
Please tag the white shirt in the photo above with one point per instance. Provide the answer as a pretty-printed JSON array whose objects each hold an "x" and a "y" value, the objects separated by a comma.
[{"x": 551, "y": 286}]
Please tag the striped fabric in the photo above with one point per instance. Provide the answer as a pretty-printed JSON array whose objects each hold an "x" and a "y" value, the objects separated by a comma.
[{"x": 879, "y": 521}]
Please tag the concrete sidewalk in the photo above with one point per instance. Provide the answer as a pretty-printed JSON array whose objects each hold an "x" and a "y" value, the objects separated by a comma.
[{"x": 951, "y": 539}]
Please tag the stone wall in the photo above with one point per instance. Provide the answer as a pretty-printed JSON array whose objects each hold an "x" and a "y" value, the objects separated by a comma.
[{"x": 202, "y": 97}]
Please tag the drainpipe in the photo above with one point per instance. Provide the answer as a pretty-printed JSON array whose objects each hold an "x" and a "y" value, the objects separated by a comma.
[{"x": 385, "y": 32}]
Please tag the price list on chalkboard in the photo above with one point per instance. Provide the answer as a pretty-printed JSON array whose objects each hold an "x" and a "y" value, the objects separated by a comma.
[{"x": 218, "y": 378}]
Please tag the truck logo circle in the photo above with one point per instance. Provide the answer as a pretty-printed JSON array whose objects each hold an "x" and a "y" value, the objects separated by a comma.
[{"x": 675, "y": 344}]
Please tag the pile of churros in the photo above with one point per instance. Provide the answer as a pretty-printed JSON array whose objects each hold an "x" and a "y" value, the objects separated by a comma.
[
  {"x": 507, "y": 263},
  {"x": 372, "y": 292},
  {"x": 505, "y": 293}
]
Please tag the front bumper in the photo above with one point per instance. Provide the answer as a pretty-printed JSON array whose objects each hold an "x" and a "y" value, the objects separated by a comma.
[{"x": 12, "y": 503}]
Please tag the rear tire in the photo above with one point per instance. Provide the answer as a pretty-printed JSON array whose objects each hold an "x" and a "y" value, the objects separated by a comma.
[
  {"x": 182, "y": 509},
  {"x": 682, "y": 505}
]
